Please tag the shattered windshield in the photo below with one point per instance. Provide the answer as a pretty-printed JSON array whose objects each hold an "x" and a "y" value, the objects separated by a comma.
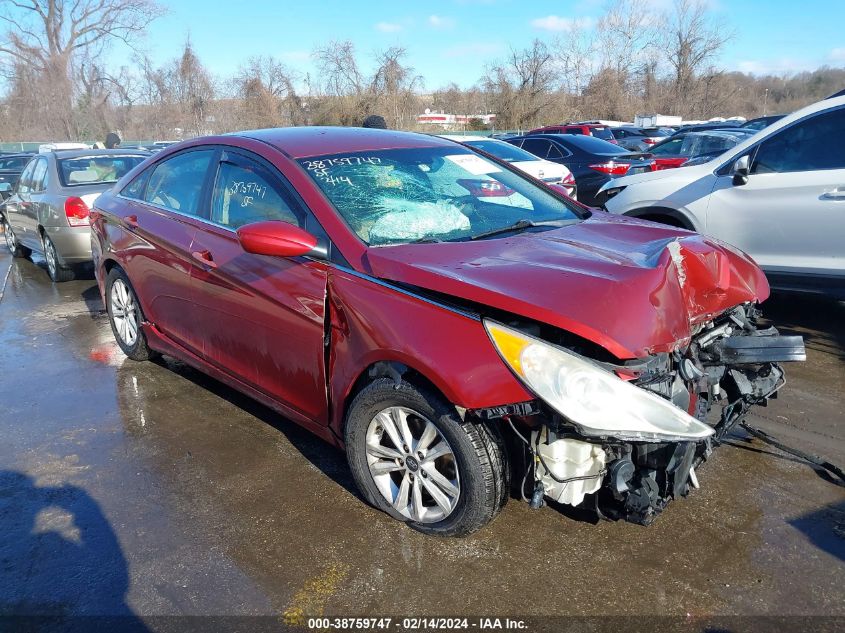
[{"x": 432, "y": 194}]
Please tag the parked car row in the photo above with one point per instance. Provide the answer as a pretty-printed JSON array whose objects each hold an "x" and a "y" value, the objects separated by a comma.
[
  {"x": 592, "y": 161},
  {"x": 595, "y": 161},
  {"x": 449, "y": 321}
]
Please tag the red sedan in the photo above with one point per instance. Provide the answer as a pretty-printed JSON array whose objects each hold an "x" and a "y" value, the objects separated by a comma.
[{"x": 447, "y": 320}]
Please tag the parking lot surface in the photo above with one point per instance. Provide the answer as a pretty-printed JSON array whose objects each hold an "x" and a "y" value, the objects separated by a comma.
[{"x": 148, "y": 489}]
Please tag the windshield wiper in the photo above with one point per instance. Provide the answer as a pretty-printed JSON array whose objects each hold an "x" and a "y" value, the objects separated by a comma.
[
  {"x": 519, "y": 225},
  {"x": 426, "y": 240}
]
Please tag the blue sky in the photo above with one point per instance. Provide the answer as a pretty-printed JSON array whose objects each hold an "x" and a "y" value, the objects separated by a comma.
[{"x": 451, "y": 40}]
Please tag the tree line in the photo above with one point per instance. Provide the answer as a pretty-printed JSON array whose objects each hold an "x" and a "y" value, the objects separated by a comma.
[{"x": 631, "y": 60}]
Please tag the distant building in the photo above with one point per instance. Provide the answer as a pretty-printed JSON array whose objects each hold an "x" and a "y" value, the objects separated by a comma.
[{"x": 453, "y": 121}]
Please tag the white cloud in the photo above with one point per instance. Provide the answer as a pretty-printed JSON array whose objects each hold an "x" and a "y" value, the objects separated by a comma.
[
  {"x": 837, "y": 55},
  {"x": 440, "y": 22},
  {"x": 558, "y": 23},
  {"x": 473, "y": 49},
  {"x": 785, "y": 65},
  {"x": 388, "y": 27}
]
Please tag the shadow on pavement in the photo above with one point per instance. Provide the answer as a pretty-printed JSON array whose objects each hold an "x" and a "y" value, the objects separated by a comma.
[
  {"x": 825, "y": 528},
  {"x": 61, "y": 566}
]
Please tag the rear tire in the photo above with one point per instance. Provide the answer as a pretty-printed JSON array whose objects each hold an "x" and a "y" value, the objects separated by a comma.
[
  {"x": 454, "y": 494},
  {"x": 126, "y": 317},
  {"x": 16, "y": 249},
  {"x": 57, "y": 272}
]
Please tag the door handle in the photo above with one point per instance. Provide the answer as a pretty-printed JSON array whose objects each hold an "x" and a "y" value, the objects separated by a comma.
[
  {"x": 131, "y": 221},
  {"x": 836, "y": 194},
  {"x": 205, "y": 257}
]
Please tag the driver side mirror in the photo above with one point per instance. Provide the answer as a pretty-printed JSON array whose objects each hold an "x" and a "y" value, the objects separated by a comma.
[
  {"x": 740, "y": 171},
  {"x": 278, "y": 239}
]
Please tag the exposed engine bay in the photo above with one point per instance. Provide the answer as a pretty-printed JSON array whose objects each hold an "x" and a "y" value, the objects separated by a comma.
[{"x": 729, "y": 361}]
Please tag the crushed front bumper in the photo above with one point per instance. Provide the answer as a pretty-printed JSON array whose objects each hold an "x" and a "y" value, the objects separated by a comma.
[{"x": 729, "y": 361}]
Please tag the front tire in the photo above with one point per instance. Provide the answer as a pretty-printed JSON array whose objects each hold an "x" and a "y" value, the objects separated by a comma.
[
  {"x": 126, "y": 317},
  {"x": 414, "y": 458}
]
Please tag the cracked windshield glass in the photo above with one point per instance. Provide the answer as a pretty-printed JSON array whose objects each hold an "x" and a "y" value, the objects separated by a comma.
[{"x": 432, "y": 194}]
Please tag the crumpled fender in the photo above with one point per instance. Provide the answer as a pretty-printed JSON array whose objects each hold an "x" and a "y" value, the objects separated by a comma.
[{"x": 371, "y": 322}]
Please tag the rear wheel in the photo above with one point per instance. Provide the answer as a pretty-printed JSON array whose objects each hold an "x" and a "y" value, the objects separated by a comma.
[
  {"x": 126, "y": 317},
  {"x": 414, "y": 458},
  {"x": 17, "y": 250},
  {"x": 57, "y": 272}
]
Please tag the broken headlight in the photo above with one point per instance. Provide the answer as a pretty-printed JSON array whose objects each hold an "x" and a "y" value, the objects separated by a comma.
[{"x": 595, "y": 400}]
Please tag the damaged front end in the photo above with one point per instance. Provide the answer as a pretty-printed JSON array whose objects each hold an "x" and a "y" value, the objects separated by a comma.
[{"x": 626, "y": 438}]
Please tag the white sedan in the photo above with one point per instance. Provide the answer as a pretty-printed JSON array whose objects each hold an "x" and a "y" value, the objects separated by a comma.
[{"x": 547, "y": 171}]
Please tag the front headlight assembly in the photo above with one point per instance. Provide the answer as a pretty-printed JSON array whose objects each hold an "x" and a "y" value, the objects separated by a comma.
[
  {"x": 612, "y": 191},
  {"x": 595, "y": 400}
]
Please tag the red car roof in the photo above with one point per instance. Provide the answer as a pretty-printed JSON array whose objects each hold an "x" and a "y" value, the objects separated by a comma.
[{"x": 302, "y": 142}]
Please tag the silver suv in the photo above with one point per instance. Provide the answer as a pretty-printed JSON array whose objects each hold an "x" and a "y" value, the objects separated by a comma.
[{"x": 779, "y": 196}]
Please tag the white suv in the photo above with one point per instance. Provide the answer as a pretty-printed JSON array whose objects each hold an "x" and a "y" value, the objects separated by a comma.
[{"x": 779, "y": 196}]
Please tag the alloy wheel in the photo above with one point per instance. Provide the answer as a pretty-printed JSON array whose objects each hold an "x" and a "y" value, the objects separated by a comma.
[
  {"x": 51, "y": 257},
  {"x": 10, "y": 237},
  {"x": 412, "y": 465},
  {"x": 124, "y": 312}
]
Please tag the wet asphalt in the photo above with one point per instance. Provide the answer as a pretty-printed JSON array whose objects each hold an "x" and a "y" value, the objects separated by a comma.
[{"x": 148, "y": 489}]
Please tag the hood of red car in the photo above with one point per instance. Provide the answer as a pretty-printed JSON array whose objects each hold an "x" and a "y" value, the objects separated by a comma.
[{"x": 632, "y": 287}]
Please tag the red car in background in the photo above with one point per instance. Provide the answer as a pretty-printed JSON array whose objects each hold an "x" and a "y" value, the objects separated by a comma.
[
  {"x": 448, "y": 321},
  {"x": 586, "y": 129}
]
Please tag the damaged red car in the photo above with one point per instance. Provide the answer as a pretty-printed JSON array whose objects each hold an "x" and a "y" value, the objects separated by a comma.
[{"x": 463, "y": 332}]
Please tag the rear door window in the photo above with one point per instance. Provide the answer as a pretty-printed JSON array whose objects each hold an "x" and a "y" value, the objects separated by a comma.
[
  {"x": 177, "y": 183},
  {"x": 39, "y": 176},
  {"x": 813, "y": 144},
  {"x": 537, "y": 146}
]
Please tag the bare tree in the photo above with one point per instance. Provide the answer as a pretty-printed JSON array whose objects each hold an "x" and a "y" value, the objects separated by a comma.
[
  {"x": 393, "y": 87},
  {"x": 267, "y": 95},
  {"x": 522, "y": 87},
  {"x": 691, "y": 42},
  {"x": 190, "y": 86},
  {"x": 46, "y": 37},
  {"x": 347, "y": 95},
  {"x": 576, "y": 52}
]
